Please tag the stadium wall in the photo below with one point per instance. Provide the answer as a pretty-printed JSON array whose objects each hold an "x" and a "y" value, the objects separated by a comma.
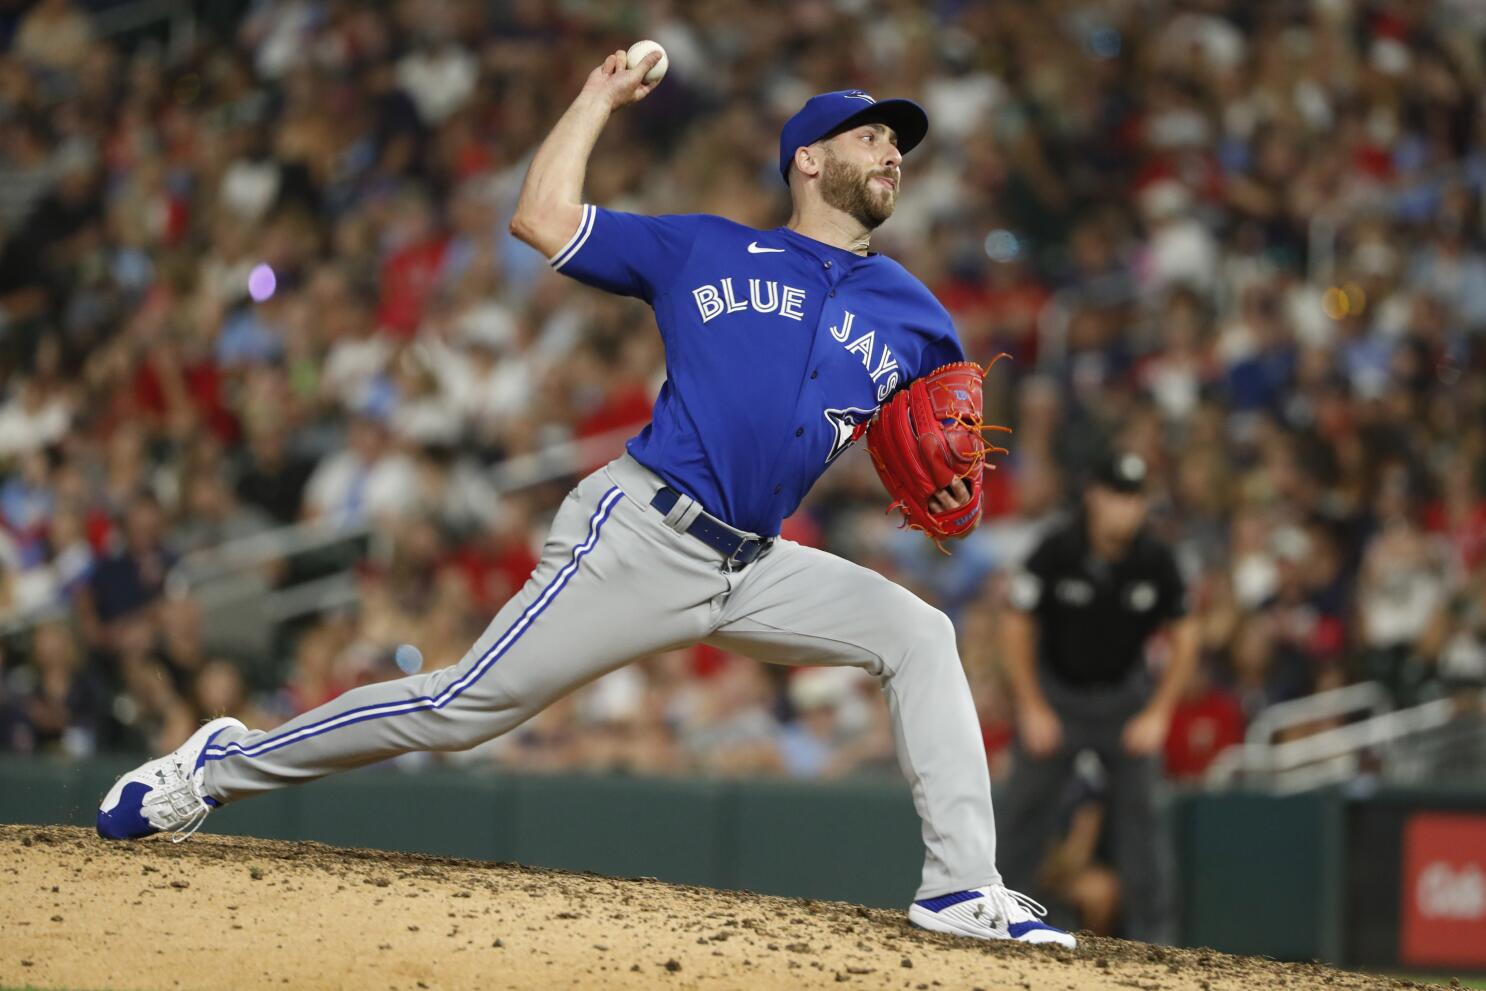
[{"x": 1388, "y": 879}]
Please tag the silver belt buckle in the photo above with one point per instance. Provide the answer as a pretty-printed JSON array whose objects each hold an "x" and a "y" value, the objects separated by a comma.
[{"x": 730, "y": 563}]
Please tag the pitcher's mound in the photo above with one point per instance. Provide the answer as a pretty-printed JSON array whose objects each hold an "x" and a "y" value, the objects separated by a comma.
[{"x": 226, "y": 913}]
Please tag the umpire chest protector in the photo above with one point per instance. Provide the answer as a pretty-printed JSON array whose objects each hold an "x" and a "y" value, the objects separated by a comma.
[{"x": 1094, "y": 616}]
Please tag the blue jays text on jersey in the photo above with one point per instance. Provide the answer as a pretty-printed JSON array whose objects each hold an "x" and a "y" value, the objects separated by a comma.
[{"x": 777, "y": 347}]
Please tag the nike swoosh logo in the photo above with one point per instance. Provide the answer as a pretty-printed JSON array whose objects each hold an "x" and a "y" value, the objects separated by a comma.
[{"x": 754, "y": 249}]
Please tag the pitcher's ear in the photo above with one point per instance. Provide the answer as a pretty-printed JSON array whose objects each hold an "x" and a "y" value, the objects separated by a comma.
[{"x": 807, "y": 161}]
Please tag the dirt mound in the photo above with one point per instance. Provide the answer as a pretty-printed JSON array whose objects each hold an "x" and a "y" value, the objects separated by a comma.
[{"x": 222, "y": 912}]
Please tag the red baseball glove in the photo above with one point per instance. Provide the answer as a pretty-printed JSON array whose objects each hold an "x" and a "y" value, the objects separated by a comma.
[{"x": 928, "y": 435}]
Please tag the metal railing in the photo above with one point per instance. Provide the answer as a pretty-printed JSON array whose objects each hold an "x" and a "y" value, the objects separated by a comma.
[
  {"x": 215, "y": 574},
  {"x": 261, "y": 549},
  {"x": 198, "y": 572},
  {"x": 1455, "y": 750},
  {"x": 1367, "y": 696},
  {"x": 1332, "y": 755}
]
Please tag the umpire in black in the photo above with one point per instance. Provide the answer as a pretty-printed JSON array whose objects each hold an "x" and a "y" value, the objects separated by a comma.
[{"x": 1083, "y": 606}]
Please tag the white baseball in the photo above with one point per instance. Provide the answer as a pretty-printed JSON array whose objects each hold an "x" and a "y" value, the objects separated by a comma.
[{"x": 637, "y": 53}]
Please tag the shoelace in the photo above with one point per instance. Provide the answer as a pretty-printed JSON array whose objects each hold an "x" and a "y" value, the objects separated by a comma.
[
  {"x": 196, "y": 820},
  {"x": 185, "y": 803},
  {"x": 1009, "y": 901}
]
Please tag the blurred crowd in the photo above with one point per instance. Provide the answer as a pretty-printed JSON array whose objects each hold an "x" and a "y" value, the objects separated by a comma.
[{"x": 255, "y": 272}]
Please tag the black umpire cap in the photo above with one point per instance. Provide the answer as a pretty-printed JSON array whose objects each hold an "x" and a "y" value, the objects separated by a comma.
[{"x": 1122, "y": 471}]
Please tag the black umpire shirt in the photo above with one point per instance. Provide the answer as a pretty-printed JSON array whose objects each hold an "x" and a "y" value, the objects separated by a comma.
[{"x": 1094, "y": 616}]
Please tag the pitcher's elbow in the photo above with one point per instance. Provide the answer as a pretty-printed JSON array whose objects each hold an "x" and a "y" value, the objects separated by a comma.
[
  {"x": 545, "y": 224},
  {"x": 521, "y": 227}
]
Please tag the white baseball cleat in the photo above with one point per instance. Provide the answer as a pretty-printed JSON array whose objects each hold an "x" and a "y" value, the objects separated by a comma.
[
  {"x": 994, "y": 912},
  {"x": 162, "y": 794}
]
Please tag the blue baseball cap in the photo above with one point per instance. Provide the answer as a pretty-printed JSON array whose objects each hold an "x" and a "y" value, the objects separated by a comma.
[{"x": 829, "y": 112}]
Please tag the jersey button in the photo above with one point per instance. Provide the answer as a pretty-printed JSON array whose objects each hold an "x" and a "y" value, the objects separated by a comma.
[
  {"x": 831, "y": 293},
  {"x": 800, "y": 432},
  {"x": 815, "y": 374},
  {"x": 827, "y": 263},
  {"x": 778, "y": 489}
]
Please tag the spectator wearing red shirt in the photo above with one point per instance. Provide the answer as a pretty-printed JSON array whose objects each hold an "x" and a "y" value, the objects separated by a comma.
[
  {"x": 1207, "y": 721},
  {"x": 411, "y": 268},
  {"x": 1460, "y": 515}
]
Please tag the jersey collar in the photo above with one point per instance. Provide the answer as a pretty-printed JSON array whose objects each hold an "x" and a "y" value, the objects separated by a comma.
[{"x": 822, "y": 250}]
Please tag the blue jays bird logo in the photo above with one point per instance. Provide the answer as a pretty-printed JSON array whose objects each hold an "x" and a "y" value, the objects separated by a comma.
[{"x": 849, "y": 423}]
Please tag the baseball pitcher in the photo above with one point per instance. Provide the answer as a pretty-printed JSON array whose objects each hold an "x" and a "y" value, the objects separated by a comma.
[{"x": 783, "y": 347}]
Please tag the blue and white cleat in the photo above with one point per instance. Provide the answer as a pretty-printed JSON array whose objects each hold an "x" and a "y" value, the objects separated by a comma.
[
  {"x": 162, "y": 794},
  {"x": 989, "y": 913}
]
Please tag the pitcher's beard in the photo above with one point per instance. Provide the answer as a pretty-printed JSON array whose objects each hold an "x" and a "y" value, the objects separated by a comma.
[{"x": 849, "y": 191}]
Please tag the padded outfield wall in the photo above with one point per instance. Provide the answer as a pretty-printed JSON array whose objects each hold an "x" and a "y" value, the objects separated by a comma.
[{"x": 1392, "y": 879}]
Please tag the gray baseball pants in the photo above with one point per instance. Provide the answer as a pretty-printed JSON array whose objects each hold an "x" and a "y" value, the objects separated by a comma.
[{"x": 617, "y": 582}]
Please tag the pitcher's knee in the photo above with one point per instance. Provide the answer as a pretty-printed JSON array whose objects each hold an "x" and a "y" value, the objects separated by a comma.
[
  {"x": 460, "y": 726},
  {"x": 925, "y": 634},
  {"x": 453, "y": 736},
  {"x": 936, "y": 630}
]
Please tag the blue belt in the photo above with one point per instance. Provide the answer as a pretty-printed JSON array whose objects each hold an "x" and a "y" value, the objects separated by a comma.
[{"x": 737, "y": 549}]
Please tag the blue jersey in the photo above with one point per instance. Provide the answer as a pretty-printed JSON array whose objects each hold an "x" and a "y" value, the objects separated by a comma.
[{"x": 777, "y": 347}]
